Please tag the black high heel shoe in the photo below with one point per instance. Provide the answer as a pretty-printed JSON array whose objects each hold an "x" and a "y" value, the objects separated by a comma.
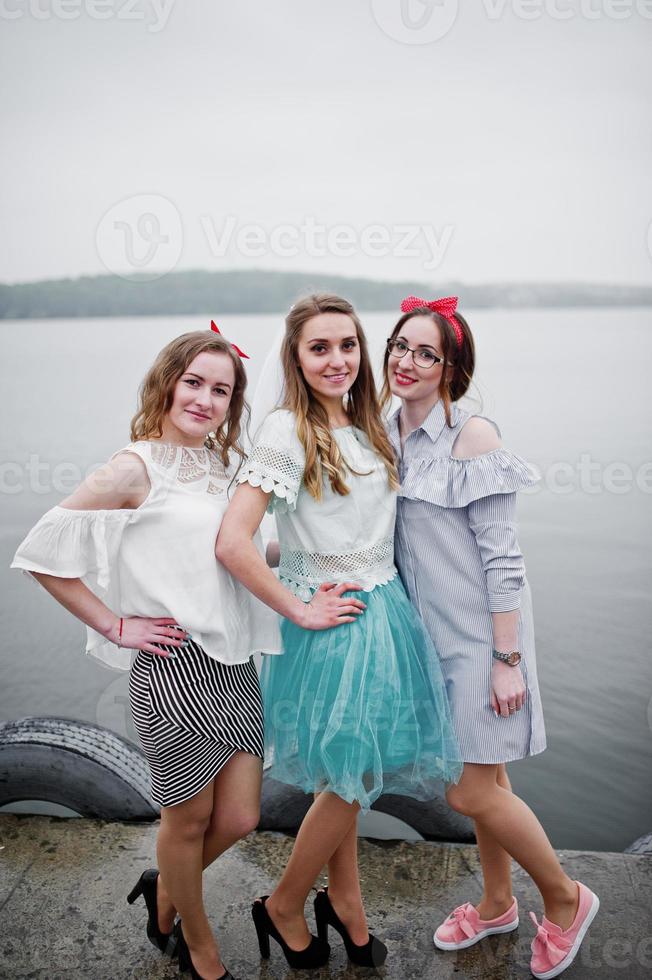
[
  {"x": 146, "y": 886},
  {"x": 185, "y": 959},
  {"x": 310, "y": 958},
  {"x": 372, "y": 953}
]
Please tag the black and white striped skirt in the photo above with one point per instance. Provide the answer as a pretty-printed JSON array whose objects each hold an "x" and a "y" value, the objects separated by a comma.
[{"x": 192, "y": 714}]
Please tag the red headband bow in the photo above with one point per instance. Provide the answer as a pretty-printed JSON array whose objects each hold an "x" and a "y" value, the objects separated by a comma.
[
  {"x": 215, "y": 327},
  {"x": 445, "y": 307}
]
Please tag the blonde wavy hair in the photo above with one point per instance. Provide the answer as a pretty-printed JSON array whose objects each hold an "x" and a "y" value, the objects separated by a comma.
[
  {"x": 322, "y": 452},
  {"x": 157, "y": 392}
]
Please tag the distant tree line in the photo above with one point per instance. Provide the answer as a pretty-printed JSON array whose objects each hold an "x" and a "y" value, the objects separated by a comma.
[{"x": 258, "y": 291}]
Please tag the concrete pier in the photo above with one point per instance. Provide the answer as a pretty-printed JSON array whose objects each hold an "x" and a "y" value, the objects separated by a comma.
[{"x": 64, "y": 914}]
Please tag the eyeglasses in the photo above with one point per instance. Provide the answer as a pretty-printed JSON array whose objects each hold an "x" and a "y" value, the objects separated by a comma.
[{"x": 421, "y": 356}]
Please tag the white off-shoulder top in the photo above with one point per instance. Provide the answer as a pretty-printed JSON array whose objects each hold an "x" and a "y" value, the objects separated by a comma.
[
  {"x": 340, "y": 538},
  {"x": 159, "y": 558}
]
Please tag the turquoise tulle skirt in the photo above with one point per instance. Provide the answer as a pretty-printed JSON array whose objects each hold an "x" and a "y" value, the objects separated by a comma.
[{"x": 360, "y": 709}]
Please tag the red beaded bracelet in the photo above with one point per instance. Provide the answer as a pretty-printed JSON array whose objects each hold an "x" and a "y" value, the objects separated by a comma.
[{"x": 120, "y": 633}]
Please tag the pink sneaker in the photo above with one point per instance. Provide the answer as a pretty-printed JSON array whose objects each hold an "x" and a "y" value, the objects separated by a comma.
[
  {"x": 554, "y": 949},
  {"x": 464, "y": 927}
]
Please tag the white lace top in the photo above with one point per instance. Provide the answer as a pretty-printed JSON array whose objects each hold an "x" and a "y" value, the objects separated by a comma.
[
  {"x": 337, "y": 539},
  {"x": 159, "y": 559}
]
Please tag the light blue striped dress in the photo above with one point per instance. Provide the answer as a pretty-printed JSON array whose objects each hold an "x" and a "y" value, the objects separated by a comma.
[{"x": 457, "y": 552}]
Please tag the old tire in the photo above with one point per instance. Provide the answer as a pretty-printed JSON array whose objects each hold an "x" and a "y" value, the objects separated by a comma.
[
  {"x": 84, "y": 767},
  {"x": 642, "y": 845}
]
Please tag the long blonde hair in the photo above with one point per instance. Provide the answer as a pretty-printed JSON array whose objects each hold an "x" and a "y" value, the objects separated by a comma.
[
  {"x": 157, "y": 391},
  {"x": 322, "y": 452}
]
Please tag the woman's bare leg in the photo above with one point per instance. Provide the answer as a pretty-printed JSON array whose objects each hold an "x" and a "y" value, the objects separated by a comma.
[
  {"x": 236, "y": 808},
  {"x": 514, "y": 826},
  {"x": 235, "y": 813},
  {"x": 324, "y": 827},
  {"x": 179, "y": 849},
  {"x": 496, "y": 865},
  {"x": 344, "y": 887}
]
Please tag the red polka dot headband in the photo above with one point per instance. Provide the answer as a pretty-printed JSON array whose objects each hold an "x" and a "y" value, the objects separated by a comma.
[{"x": 445, "y": 307}]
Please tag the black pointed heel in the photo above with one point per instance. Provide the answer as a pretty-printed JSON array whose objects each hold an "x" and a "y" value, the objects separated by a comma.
[
  {"x": 185, "y": 959},
  {"x": 313, "y": 956},
  {"x": 372, "y": 953},
  {"x": 146, "y": 886}
]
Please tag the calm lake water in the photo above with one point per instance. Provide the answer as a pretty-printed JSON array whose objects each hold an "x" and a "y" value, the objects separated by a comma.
[{"x": 569, "y": 391}]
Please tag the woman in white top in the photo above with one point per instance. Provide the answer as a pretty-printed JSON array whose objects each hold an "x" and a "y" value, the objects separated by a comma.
[
  {"x": 361, "y": 709},
  {"x": 132, "y": 554}
]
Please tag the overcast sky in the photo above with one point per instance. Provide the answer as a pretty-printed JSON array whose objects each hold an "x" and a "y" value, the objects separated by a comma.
[{"x": 215, "y": 135}]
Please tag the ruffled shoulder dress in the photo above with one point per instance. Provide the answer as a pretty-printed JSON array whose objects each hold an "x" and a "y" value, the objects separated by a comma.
[
  {"x": 458, "y": 555},
  {"x": 359, "y": 709}
]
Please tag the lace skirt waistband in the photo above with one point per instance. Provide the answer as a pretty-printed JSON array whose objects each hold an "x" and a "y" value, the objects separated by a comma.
[{"x": 304, "y": 571}]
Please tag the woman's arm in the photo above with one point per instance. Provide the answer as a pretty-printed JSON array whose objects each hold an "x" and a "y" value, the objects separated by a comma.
[
  {"x": 78, "y": 599},
  {"x": 237, "y": 552},
  {"x": 505, "y": 630},
  {"x": 120, "y": 484},
  {"x": 478, "y": 436},
  {"x": 138, "y": 632},
  {"x": 507, "y": 684},
  {"x": 492, "y": 520}
]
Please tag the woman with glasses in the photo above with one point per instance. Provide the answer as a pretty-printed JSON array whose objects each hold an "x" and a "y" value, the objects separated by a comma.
[{"x": 459, "y": 558}]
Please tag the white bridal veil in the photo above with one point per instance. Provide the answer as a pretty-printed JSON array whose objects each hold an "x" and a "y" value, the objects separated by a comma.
[
  {"x": 269, "y": 390},
  {"x": 268, "y": 395}
]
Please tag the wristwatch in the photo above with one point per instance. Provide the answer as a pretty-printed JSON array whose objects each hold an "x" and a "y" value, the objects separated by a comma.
[{"x": 513, "y": 659}]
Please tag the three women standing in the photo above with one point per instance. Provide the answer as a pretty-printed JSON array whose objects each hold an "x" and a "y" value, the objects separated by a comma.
[{"x": 357, "y": 705}]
